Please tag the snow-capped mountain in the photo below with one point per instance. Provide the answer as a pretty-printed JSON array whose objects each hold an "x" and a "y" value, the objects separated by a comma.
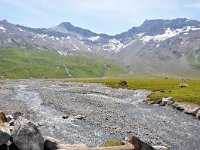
[{"x": 155, "y": 47}]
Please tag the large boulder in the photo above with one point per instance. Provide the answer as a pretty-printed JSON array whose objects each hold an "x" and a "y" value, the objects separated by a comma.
[
  {"x": 139, "y": 145},
  {"x": 26, "y": 136},
  {"x": 4, "y": 129}
]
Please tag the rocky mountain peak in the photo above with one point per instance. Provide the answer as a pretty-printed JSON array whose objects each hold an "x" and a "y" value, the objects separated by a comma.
[{"x": 68, "y": 27}]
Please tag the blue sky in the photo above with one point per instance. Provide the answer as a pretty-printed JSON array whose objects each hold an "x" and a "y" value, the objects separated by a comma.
[{"x": 105, "y": 16}]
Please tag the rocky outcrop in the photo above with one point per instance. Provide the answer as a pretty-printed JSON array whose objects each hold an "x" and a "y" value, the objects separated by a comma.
[
  {"x": 139, "y": 145},
  {"x": 26, "y": 136}
]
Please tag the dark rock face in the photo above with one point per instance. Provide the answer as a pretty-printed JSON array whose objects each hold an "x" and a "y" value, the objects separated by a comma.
[
  {"x": 26, "y": 136},
  {"x": 51, "y": 143},
  {"x": 139, "y": 145}
]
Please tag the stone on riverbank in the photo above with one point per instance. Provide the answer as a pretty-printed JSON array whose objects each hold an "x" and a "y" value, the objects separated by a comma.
[
  {"x": 26, "y": 136},
  {"x": 191, "y": 111}
]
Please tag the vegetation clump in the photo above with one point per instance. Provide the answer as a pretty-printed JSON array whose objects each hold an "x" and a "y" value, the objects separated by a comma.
[
  {"x": 123, "y": 83},
  {"x": 113, "y": 143}
]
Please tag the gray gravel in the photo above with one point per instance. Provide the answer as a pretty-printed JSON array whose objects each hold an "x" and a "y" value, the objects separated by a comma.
[{"x": 108, "y": 114}]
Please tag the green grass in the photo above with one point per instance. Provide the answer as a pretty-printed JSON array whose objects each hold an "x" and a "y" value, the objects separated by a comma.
[
  {"x": 160, "y": 87},
  {"x": 34, "y": 63}
]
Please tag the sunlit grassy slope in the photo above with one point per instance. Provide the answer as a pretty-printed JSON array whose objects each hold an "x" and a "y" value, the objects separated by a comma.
[
  {"x": 161, "y": 87},
  {"x": 34, "y": 63}
]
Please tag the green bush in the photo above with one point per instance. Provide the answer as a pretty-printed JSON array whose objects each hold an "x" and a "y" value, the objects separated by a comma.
[{"x": 113, "y": 143}]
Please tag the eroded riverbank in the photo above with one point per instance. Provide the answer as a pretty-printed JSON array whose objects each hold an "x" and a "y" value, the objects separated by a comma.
[{"x": 108, "y": 114}]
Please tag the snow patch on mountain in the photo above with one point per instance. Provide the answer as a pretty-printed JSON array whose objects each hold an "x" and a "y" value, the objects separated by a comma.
[
  {"x": 62, "y": 53},
  {"x": 76, "y": 47},
  {"x": 131, "y": 42},
  {"x": 140, "y": 34},
  {"x": 158, "y": 45},
  {"x": 168, "y": 34},
  {"x": 20, "y": 29},
  {"x": 113, "y": 46},
  {"x": 94, "y": 38},
  {"x": 52, "y": 37},
  {"x": 2, "y": 28},
  {"x": 42, "y": 35}
]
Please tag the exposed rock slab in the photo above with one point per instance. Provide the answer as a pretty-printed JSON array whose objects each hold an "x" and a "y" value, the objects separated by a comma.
[{"x": 26, "y": 136}]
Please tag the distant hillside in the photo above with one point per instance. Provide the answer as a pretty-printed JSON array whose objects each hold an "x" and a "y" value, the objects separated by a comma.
[{"x": 34, "y": 63}]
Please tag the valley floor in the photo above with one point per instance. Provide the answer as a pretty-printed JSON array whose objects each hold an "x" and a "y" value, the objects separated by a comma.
[{"x": 106, "y": 113}]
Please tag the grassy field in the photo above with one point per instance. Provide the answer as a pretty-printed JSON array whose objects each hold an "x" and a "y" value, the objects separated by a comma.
[
  {"x": 161, "y": 87},
  {"x": 34, "y": 63}
]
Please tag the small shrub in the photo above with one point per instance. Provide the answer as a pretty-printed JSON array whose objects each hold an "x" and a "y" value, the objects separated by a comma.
[
  {"x": 123, "y": 83},
  {"x": 113, "y": 143}
]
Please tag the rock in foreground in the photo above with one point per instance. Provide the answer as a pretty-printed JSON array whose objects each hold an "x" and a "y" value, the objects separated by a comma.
[{"x": 26, "y": 136}]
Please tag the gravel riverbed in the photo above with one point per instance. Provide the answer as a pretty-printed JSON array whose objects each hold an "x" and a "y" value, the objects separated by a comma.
[{"x": 107, "y": 113}]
